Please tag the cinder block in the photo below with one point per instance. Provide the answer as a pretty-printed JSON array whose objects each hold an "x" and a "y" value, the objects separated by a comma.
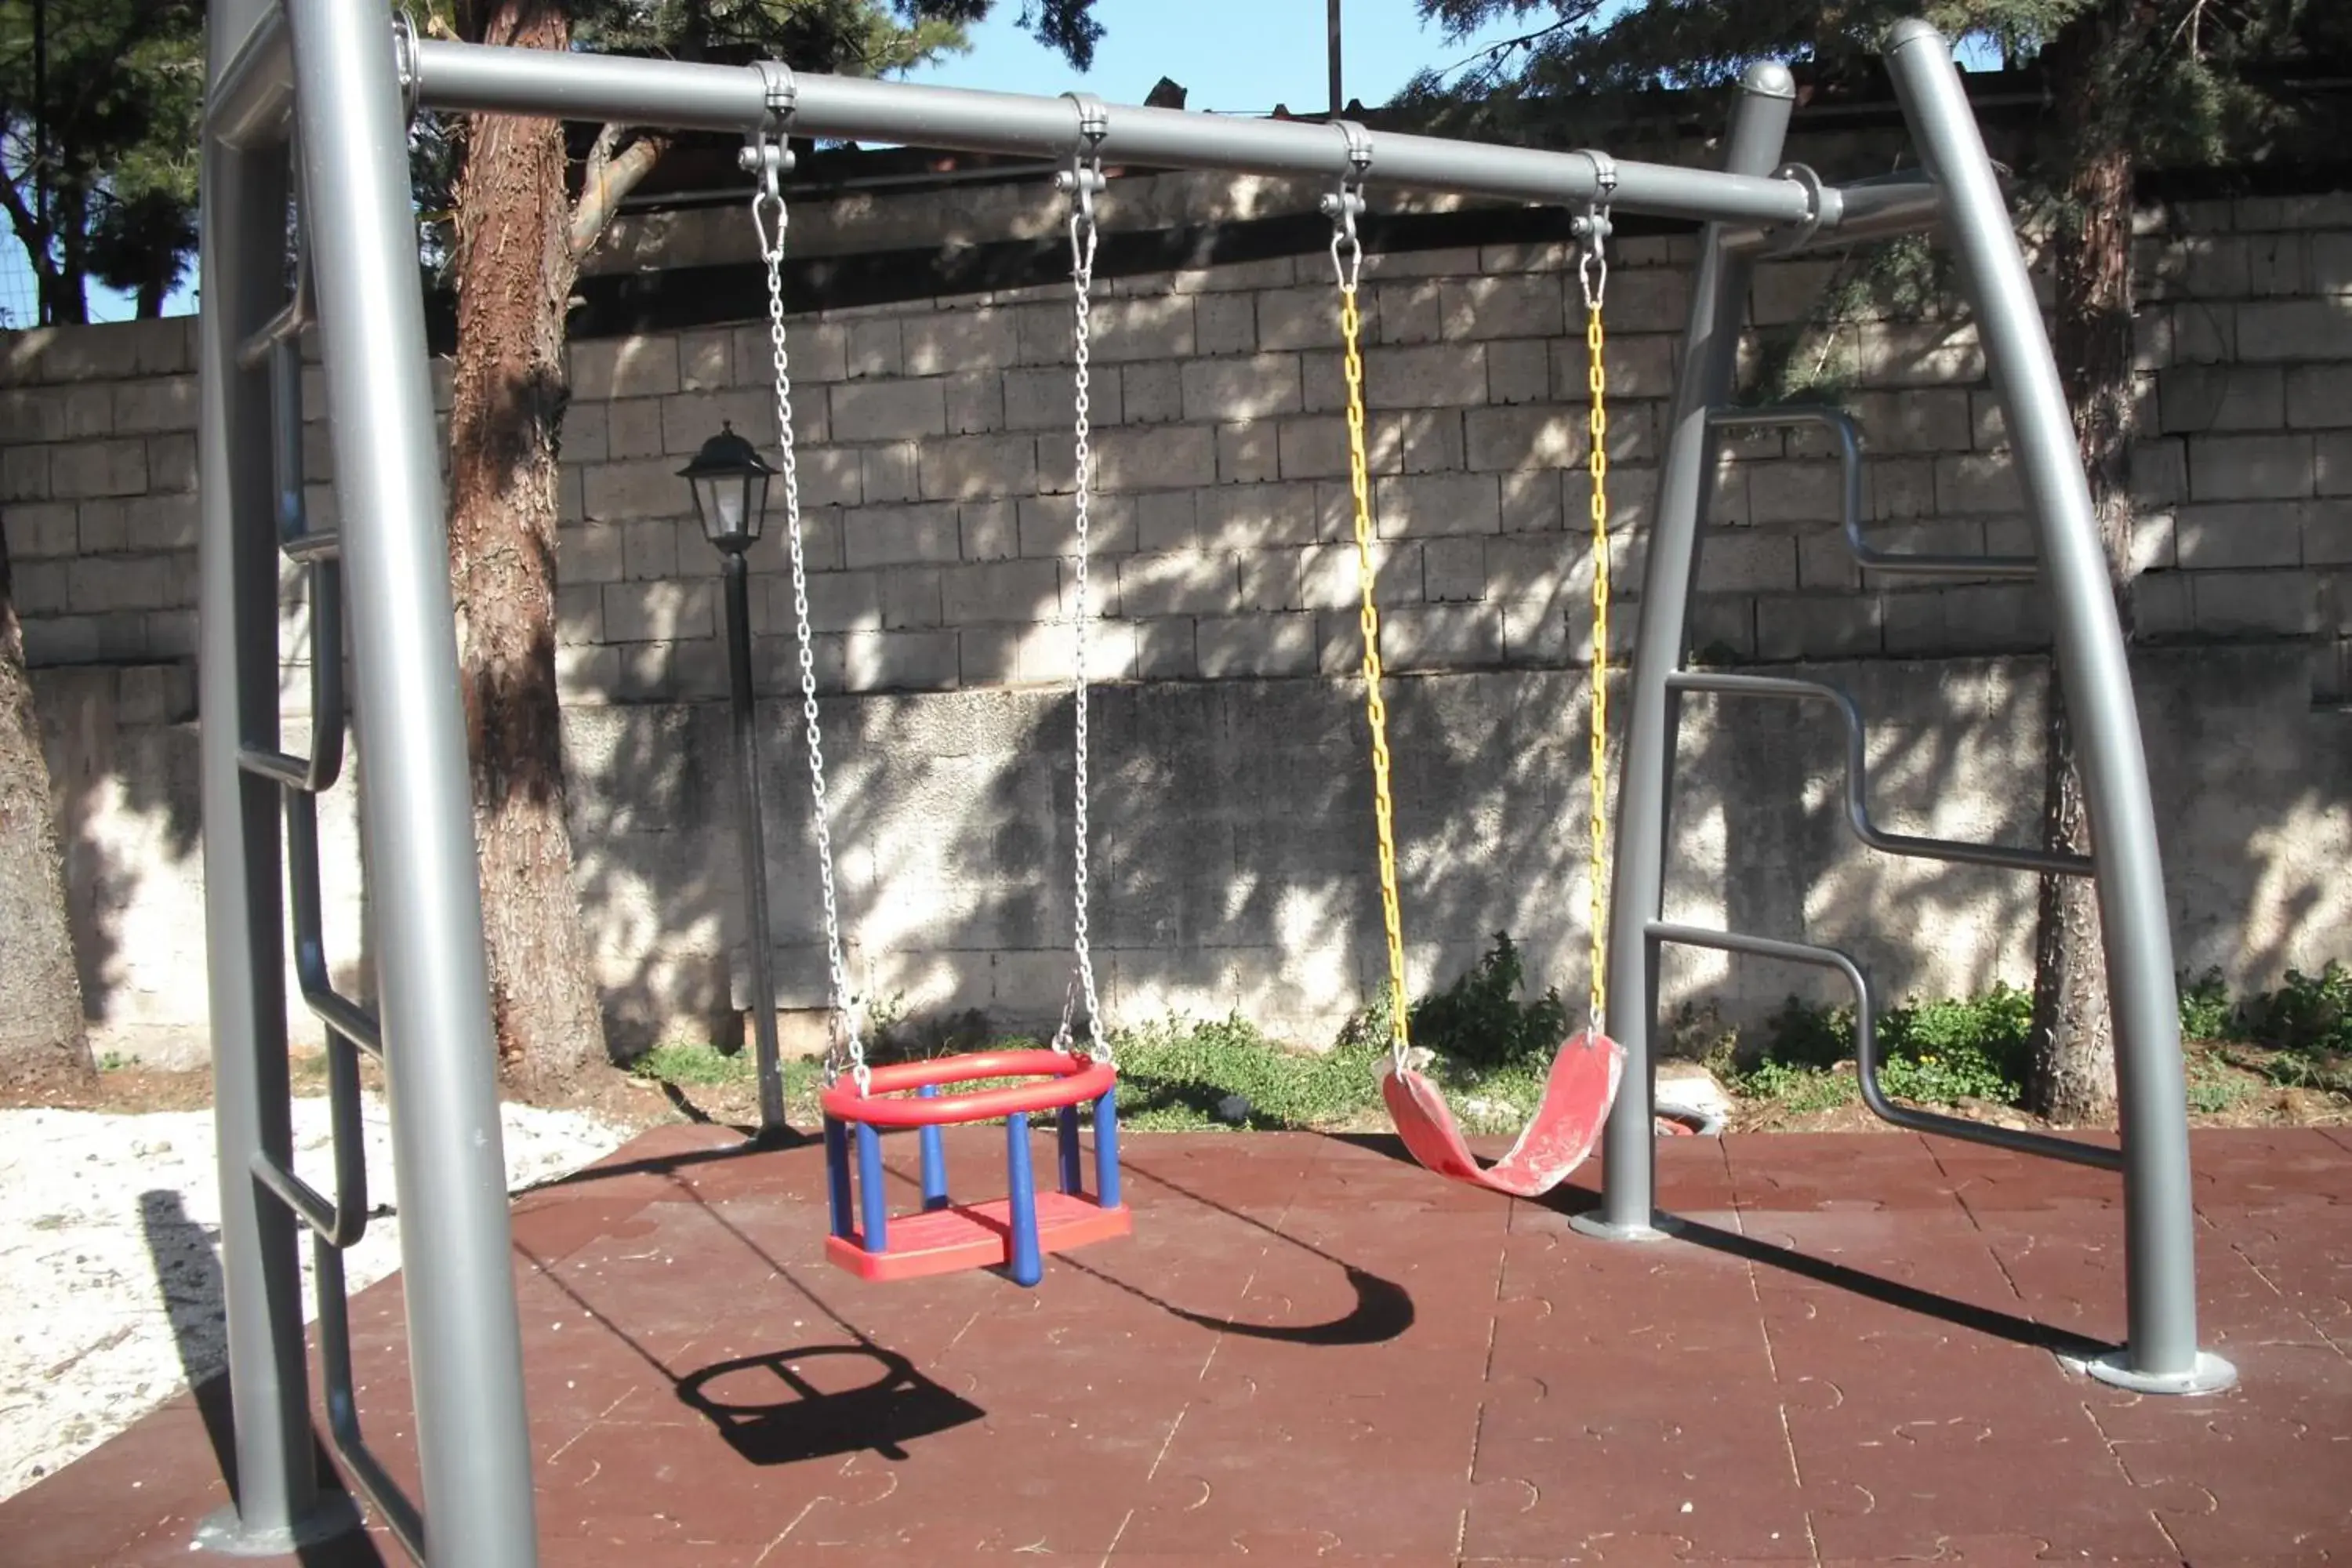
[
  {"x": 1046, "y": 400},
  {"x": 1173, "y": 585},
  {"x": 991, "y": 530},
  {"x": 1440, "y": 375},
  {"x": 1264, "y": 645},
  {"x": 1978, "y": 485},
  {"x": 1409, "y": 312},
  {"x": 706, "y": 361},
  {"x": 1257, "y": 387},
  {"x": 2331, "y": 466},
  {"x": 2278, "y": 264},
  {"x": 31, "y": 415},
  {"x": 1837, "y": 625},
  {"x": 2198, "y": 397},
  {"x": 1224, "y": 323},
  {"x": 988, "y": 655},
  {"x": 690, "y": 418},
  {"x": 2213, "y": 266},
  {"x": 649, "y": 550},
  {"x": 876, "y": 348},
  {"x": 164, "y": 403},
  {"x": 1526, "y": 306},
  {"x": 975, "y": 401},
  {"x": 819, "y": 352},
  {"x": 585, "y": 436},
  {"x": 621, "y": 491},
  {"x": 1453, "y": 569},
  {"x": 2162, "y": 606},
  {"x": 1898, "y": 486},
  {"x": 2255, "y": 604},
  {"x": 1317, "y": 446},
  {"x": 1744, "y": 561},
  {"x": 2319, "y": 395},
  {"x": 1271, "y": 579},
  {"x": 2206, "y": 333},
  {"x": 1531, "y": 501},
  {"x": 634, "y": 428},
  {"x": 830, "y": 476},
  {"x": 1519, "y": 370},
  {"x": 1918, "y": 353},
  {"x": 1537, "y": 633},
  {"x": 2248, "y": 468},
  {"x": 171, "y": 464},
  {"x": 39, "y": 530},
  {"x": 1331, "y": 577},
  {"x": 937, "y": 342},
  {"x": 970, "y": 467},
  {"x": 1298, "y": 319},
  {"x": 579, "y": 614},
  {"x": 2331, "y": 263},
  {"x": 2235, "y": 534},
  {"x": 641, "y": 366},
  {"x": 889, "y": 473},
  {"x": 651, "y": 611},
  {"x": 590, "y": 552},
  {"x": 1007, "y": 591},
  {"x": 88, "y": 468},
  {"x": 2271, "y": 330},
  {"x": 1153, "y": 394},
  {"x": 899, "y": 661},
  {"x": 1637, "y": 367},
  {"x": 1247, "y": 453},
  {"x": 1165, "y": 649},
  {"x": 2327, "y": 533},
  {"x": 910, "y": 598},
  {"x": 1531, "y": 435},
  {"x": 41, "y": 587},
  {"x": 1149, "y": 459},
  {"x": 901, "y": 535},
  {"x": 1156, "y": 326},
  {"x": 1441, "y": 637},
  {"x": 1930, "y": 419},
  {"x": 1165, "y": 520},
  {"x": 2160, "y": 473},
  {"x": 1786, "y": 292},
  {"x": 1794, "y": 492},
  {"x": 889, "y": 410},
  {"x": 1438, "y": 504}
]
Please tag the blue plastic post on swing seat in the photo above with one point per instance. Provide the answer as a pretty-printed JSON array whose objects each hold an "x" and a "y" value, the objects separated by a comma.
[
  {"x": 836, "y": 1174},
  {"x": 1066, "y": 1138},
  {"x": 874, "y": 1198},
  {"x": 1106, "y": 1149},
  {"x": 935, "y": 1159},
  {"x": 1024, "y": 1258}
]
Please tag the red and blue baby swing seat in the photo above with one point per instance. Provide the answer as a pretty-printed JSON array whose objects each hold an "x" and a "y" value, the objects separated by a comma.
[{"x": 1014, "y": 1231}]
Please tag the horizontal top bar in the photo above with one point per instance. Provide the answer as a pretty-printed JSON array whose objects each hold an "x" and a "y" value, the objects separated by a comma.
[{"x": 683, "y": 96}]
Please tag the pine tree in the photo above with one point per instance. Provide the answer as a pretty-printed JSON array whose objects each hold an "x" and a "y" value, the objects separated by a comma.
[{"x": 2129, "y": 85}]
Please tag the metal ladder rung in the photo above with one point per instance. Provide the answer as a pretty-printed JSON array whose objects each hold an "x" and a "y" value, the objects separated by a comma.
[
  {"x": 1857, "y": 779},
  {"x": 1841, "y": 425},
  {"x": 1865, "y": 1048},
  {"x": 342, "y": 1222}
]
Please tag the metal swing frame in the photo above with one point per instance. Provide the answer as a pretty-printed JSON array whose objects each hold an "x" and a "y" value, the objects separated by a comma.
[{"x": 318, "y": 94}]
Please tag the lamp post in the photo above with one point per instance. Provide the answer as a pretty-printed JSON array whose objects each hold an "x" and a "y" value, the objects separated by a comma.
[{"x": 730, "y": 480}]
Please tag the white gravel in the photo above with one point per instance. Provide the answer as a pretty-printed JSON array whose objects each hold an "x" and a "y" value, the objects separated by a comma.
[{"x": 109, "y": 1228}]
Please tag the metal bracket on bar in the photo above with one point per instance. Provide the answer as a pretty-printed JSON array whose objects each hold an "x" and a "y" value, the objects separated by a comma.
[
  {"x": 1857, "y": 778},
  {"x": 1840, "y": 425},
  {"x": 1346, "y": 205},
  {"x": 1082, "y": 177},
  {"x": 1820, "y": 197},
  {"x": 767, "y": 154},
  {"x": 1865, "y": 1048},
  {"x": 1591, "y": 225},
  {"x": 403, "y": 54}
]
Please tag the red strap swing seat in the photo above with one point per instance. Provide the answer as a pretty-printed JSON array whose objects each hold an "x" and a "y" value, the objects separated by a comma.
[{"x": 1583, "y": 1081}]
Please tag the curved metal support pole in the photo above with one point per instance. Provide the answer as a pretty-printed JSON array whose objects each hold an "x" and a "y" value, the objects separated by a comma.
[
  {"x": 2159, "y": 1219},
  {"x": 1857, "y": 778}
]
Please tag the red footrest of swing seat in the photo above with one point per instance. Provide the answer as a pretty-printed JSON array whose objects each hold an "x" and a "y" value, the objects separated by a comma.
[{"x": 975, "y": 1236}]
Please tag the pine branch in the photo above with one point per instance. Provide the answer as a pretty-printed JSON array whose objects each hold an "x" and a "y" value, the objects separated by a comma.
[{"x": 610, "y": 178}]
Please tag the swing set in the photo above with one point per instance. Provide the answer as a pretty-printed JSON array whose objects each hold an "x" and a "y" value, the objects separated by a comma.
[{"x": 308, "y": 100}]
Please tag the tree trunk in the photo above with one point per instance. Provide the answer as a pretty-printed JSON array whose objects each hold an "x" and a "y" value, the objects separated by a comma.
[
  {"x": 514, "y": 277},
  {"x": 42, "y": 1038},
  {"x": 2071, "y": 1075}
]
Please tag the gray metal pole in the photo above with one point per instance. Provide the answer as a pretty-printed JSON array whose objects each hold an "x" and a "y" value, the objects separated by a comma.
[
  {"x": 473, "y": 1437},
  {"x": 242, "y": 248},
  {"x": 1338, "y": 102},
  {"x": 1759, "y": 124},
  {"x": 2162, "y": 1355},
  {"x": 760, "y": 949}
]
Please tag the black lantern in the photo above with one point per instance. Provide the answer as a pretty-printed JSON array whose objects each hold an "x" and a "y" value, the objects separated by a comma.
[{"x": 731, "y": 488}]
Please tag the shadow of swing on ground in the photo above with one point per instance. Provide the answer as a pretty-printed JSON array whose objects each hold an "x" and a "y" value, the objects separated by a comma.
[{"x": 782, "y": 1406}]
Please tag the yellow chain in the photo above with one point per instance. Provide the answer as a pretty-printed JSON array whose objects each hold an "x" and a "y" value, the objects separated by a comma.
[
  {"x": 1597, "y": 422},
  {"x": 1375, "y": 709}
]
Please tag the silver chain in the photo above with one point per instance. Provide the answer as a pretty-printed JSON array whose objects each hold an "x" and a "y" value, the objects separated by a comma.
[
  {"x": 1082, "y": 181},
  {"x": 845, "y": 1046}
]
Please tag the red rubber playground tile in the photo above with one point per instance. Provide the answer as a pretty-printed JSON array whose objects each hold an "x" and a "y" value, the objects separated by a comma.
[{"x": 1852, "y": 1349}]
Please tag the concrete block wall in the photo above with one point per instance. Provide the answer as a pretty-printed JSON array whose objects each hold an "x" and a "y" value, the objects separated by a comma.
[{"x": 936, "y": 467}]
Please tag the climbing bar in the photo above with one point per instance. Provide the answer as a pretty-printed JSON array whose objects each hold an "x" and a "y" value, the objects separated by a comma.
[
  {"x": 443, "y": 74},
  {"x": 1869, "y": 1059}
]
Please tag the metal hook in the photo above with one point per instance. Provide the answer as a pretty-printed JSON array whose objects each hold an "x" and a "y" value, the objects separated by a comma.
[
  {"x": 1344, "y": 205},
  {"x": 1084, "y": 177},
  {"x": 767, "y": 153}
]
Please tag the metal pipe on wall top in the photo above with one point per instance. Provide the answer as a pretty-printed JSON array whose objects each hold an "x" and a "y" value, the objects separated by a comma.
[
  {"x": 2160, "y": 1267},
  {"x": 452, "y": 76},
  {"x": 1759, "y": 125},
  {"x": 473, "y": 1435}
]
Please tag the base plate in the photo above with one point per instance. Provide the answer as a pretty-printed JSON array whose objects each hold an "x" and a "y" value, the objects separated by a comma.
[
  {"x": 975, "y": 1236},
  {"x": 2211, "y": 1375},
  {"x": 335, "y": 1513},
  {"x": 1594, "y": 1226}
]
